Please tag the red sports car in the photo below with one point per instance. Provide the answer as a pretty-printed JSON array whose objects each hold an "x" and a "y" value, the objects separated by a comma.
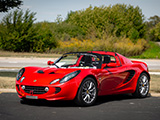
[{"x": 82, "y": 76}]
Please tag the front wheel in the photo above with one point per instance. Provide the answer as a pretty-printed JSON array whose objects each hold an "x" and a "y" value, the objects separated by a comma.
[
  {"x": 87, "y": 92},
  {"x": 143, "y": 85}
]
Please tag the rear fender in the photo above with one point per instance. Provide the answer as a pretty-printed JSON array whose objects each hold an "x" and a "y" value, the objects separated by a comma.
[{"x": 142, "y": 63}]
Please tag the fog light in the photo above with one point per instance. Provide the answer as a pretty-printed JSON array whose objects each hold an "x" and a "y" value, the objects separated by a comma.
[
  {"x": 46, "y": 89},
  {"x": 23, "y": 87}
]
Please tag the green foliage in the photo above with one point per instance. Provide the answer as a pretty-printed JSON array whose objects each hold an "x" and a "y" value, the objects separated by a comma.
[
  {"x": 66, "y": 31},
  {"x": 18, "y": 34},
  {"x": 17, "y": 31},
  {"x": 118, "y": 20},
  {"x": 6, "y": 5},
  {"x": 153, "y": 28},
  {"x": 153, "y": 21},
  {"x": 45, "y": 39},
  {"x": 152, "y": 52},
  {"x": 119, "y": 28},
  {"x": 155, "y": 32}
]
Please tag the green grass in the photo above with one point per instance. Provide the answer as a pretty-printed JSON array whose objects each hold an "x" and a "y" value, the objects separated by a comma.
[{"x": 153, "y": 52}]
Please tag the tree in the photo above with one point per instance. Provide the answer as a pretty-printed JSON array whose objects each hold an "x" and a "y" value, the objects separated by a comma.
[
  {"x": 117, "y": 20},
  {"x": 17, "y": 33},
  {"x": 153, "y": 28},
  {"x": 153, "y": 21},
  {"x": 155, "y": 32},
  {"x": 6, "y": 5}
]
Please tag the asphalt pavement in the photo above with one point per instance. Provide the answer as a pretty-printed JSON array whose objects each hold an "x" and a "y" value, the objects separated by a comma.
[{"x": 118, "y": 107}]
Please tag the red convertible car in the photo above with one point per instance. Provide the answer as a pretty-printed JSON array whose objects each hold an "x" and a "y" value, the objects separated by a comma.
[{"x": 82, "y": 76}]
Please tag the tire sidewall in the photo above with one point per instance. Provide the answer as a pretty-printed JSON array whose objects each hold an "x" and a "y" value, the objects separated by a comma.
[
  {"x": 79, "y": 98},
  {"x": 137, "y": 92}
]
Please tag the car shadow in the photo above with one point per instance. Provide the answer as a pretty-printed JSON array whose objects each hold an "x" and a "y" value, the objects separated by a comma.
[
  {"x": 111, "y": 98},
  {"x": 100, "y": 100}
]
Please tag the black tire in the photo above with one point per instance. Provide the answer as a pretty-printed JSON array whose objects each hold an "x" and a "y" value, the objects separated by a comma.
[
  {"x": 87, "y": 93},
  {"x": 143, "y": 85}
]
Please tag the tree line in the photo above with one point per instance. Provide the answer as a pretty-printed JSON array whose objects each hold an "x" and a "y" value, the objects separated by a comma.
[{"x": 20, "y": 33}]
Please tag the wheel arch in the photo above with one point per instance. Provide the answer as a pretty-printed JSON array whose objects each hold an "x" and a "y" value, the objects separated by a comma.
[
  {"x": 146, "y": 73},
  {"x": 92, "y": 76},
  {"x": 77, "y": 97}
]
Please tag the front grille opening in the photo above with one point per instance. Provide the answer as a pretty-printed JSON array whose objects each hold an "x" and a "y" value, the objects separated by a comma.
[{"x": 35, "y": 89}]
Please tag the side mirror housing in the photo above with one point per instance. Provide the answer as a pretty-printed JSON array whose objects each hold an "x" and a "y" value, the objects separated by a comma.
[
  {"x": 103, "y": 66},
  {"x": 50, "y": 63},
  {"x": 112, "y": 65}
]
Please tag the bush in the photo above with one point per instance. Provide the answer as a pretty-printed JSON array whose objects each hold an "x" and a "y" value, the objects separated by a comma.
[{"x": 123, "y": 46}]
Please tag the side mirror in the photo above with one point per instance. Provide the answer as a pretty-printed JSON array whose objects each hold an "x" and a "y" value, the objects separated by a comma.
[
  {"x": 103, "y": 66},
  {"x": 112, "y": 65},
  {"x": 50, "y": 63}
]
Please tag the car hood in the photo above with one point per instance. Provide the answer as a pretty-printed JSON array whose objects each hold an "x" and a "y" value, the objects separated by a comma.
[{"x": 43, "y": 76}]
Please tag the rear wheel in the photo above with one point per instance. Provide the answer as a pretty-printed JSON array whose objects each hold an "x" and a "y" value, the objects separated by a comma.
[
  {"x": 87, "y": 92},
  {"x": 143, "y": 85}
]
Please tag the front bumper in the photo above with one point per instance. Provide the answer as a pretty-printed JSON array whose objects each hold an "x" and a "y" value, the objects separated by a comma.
[{"x": 65, "y": 91}]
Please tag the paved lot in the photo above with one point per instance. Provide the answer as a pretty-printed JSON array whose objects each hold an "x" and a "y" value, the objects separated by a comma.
[{"x": 121, "y": 107}]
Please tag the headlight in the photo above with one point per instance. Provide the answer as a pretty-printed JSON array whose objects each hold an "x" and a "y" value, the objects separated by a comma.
[
  {"x": 69, "y": 76},
  {"x": 54, "y": 81},
  {"x": 22, "y": 79},
  {"x": 20, "y": 73}
]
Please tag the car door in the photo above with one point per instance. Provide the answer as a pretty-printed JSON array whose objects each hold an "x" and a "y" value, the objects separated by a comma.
[{"x": 112, "y": 77}]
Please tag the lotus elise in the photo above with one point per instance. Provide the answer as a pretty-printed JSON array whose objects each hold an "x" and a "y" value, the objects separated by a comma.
[{"x": 82, "y": 76}]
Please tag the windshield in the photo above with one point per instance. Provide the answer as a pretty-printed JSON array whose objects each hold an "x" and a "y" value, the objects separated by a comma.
[{"x": 79, "y": 60}]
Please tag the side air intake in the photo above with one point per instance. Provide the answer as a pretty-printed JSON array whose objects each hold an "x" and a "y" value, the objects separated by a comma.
[{"x": 131, "y": 74}]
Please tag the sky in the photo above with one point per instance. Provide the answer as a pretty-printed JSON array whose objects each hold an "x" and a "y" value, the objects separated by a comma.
[{"x": 48, "y": 10}]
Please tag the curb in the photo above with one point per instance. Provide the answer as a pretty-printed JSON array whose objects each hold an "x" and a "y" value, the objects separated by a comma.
[
  {"x": 154, "y": 73},
  {"x": 7, "y": 90}
]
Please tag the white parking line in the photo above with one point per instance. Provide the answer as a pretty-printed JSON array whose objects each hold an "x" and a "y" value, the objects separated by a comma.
[
  {"x": 154, "y": 73},
  {"x": 12, "y": 62}
]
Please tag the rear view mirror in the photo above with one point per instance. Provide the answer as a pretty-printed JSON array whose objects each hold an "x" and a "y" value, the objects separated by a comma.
[{"x": 50, "y": 63}]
